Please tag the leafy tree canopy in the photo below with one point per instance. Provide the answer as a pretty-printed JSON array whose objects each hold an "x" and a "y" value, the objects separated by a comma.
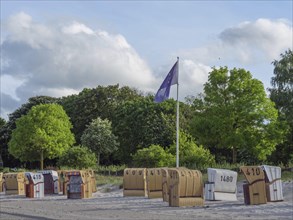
[
  {"x": 141, "y": 123},
  {"x": 2, "y": 122},
  {"x": 90, "y": 104},
  {"x": 6, "y": 130},
  {"x": 235, "y": 113},
  {"x": 153, "y": 156},
  {"x": 282, "y": 82},
  {"x": 99, "y": 138},
  {"x": 191, "y": 155},
  {"x": 43, "y": 133},
  {"x": 78, "y": 157},
  {"x": 282, "y": 94}
]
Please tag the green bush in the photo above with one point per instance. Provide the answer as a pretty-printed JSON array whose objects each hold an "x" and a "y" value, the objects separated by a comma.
[
  {"x": 78, "y": 157},
  {"x": 191, "y": 155},
  {"x": 154, "y": 156}
]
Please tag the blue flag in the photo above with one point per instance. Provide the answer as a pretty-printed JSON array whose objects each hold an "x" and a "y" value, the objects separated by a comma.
[{"x": 171, "y": 79}]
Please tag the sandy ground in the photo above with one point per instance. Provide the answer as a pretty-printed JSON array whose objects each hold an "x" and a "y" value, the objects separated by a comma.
[{"x": 112, "y": 205}]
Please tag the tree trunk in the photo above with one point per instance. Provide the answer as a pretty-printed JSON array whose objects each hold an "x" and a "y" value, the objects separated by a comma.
[
  {"x": 42, "y": 160},
  {"x": 234, "y": 155}
]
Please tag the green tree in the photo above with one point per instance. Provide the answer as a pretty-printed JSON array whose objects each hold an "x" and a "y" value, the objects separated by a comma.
[
  {"x": 93, "y": 103},
  {"x": 191, "y": 155},
  {"x": 2, "y": 122},
  {"x": 234, "y": 114},
  {"x": 6, "y": 130},
  {"x": 43, "y": 133},
  {"x": 153, "y": 156},
  {"x": 141, "y": 123},
  {"x": 78, "y": 157},
  {"x": 282, "y": 94},
  {"x": 99, "y": 138}
]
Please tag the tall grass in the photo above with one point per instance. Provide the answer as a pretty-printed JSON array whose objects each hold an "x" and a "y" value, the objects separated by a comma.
[
  {"x": 109, "y": 180},
  {"x": 112, "y": 170}
]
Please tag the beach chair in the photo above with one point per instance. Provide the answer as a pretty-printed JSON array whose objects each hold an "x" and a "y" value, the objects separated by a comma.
[
  {"x": 221, "y": 185},
  {"x": 79, "y": 184},
  {"x": 34, "y": 185},
  {"x": 51, "y": 182},
  {"x": 154, "y": 182},
  {"x": 14, "y": 183},
  {"x": 274, "y": 189},
  {"x": 134, "y": 182},
  {"x": 254, "y": 191},
  {"x": 186, "y": 187}
]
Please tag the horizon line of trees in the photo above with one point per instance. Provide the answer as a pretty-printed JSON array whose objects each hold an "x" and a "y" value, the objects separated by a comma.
[{"x": 232, "y": 121}]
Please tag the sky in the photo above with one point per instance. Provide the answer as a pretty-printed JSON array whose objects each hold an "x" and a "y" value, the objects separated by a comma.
[{"x": 57, "y": 48}]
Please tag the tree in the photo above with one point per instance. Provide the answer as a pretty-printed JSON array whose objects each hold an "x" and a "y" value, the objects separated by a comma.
[
  {"x": 78, "y": 157},
  {"x": 142, "y": 123},
  {"x": 90, "y": 104},
  {"x": 235, "y": 114},
  {"x": 153, "y": 156},
  {"x": 6, "y": 130},
  {"x": 99, "y": 138},
  {"x": 282, "y": 94},
  {"x": 2, "y": 122},
  {"x": 191, "y": 155},
  {"x": 43, "y": 133}
]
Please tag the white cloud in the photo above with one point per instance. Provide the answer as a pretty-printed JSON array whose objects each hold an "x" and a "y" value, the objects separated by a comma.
[
  {"x": 252, "y": 42},
  {"x": 77, "y": 28},
  {"x": 9, "y": 85},
  {"x": 268, "y": 37},
  {"x": 21, "y": 28},
  {"x": 7, "y": 103},
  {"x": 61, "y": 59},
  {"x": 249, "y": 45}
]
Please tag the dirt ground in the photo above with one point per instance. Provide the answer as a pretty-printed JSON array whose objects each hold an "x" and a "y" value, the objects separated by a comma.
[{"x": 112, "y": 205}]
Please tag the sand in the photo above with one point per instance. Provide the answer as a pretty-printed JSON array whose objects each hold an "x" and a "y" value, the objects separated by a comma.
[{"x": 112, "y": 205}]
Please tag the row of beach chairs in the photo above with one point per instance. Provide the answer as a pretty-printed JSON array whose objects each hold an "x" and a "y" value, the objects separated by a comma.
[
  {"x": 73, "y": 183},
  {"x": 184, "y": 187}
]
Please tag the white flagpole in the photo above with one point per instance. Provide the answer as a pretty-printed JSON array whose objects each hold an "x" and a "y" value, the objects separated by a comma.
[{"x": 177, "y": 120}]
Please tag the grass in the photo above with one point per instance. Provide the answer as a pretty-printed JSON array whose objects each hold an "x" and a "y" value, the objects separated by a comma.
[
  {"x": 287, "y": 175},
  {"x": 112, "y": 180}
]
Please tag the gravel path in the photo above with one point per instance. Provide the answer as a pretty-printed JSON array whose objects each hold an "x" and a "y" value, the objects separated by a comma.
[{"x": 112, "y": 205}]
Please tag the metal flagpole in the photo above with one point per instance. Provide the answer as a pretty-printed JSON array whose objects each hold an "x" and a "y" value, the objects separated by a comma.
[{"x": 177, "y": 119}]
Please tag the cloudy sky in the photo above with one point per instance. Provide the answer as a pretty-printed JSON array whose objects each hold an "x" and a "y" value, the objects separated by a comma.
[{"x": 57, "y": 48}]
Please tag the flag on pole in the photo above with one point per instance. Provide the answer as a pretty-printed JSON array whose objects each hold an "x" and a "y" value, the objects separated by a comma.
[{"x": 171, "y": 79}]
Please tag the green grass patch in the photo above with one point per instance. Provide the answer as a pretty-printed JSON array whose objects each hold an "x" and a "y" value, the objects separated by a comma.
[
  {"x": 112, "y": 180},
  {"x": 287, "y": 175}
]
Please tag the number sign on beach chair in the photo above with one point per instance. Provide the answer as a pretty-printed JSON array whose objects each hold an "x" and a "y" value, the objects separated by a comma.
[
  {"x": 221, "y": 185},
  {"x": 35, "y": 185},
  {"x": 274, "y": 190},
  {"x": 254, "y": 191}
]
